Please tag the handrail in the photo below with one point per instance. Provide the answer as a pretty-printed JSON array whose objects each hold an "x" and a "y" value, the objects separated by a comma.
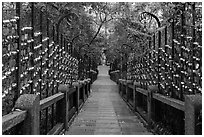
[
  {"x": 190, "y": 107},
  {"x": 170, "y": 101},
  {"x": 50, "y": 100},
  {"x": 28, "y": 103},
  {"x": 12, "y": 119}
]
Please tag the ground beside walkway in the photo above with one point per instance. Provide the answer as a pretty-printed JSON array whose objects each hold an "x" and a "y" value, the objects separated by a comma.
[{"x": 105, "y": 112}]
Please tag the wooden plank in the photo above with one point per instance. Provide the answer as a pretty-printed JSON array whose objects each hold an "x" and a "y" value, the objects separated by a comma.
[
  {"x": 12, "y": 119},
  {"x": 72, "y": 90},
  {"x": 56, "y": 130},
  {"x": 143, "y": 91},
  {"x": 50, "y": 100},
  {"x": 170, "y": 101}
]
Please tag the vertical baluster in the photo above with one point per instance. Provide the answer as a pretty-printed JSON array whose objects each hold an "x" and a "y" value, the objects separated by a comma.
[
  {"x": 154, "y": 55},
  {"x": 193, "y": 49},
  {"x": 18, "y": 59},
  {"x": 70, "y": 48},
  {"x": 53, "y": 60},
  {"x": 172, "y": 62},
  {"x": 32, "y": 47},
  {"x": 165, "y": 61},
  {"x": 64, "y": 44},
  {"x": 41, "y": 68},
  {"x": 121, "y": 67},
  {"x": 58, "y": 53},
  {"x": 149, "y": 62},
  {"x": 41, "y": 37},
  {"x": 182, "y": 44},
  {"x": 51, "y": 76},
  {"x": 158, "y": 61}
]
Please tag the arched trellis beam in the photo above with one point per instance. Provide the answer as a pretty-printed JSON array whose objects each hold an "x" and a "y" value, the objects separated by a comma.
[
  {"x": 134, "y": 33},
  {"x": 144, "y": 14},
  {"x": 71, "y": 14},
  {"x": 72, "y": 41},
  {"x": 68, "y": 17}
]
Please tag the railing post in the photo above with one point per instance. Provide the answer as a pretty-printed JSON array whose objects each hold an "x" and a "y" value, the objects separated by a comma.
[
  {"x": 193, "y": 105},
  {"x": 151, "y": 90},
  {"x": 126, "y": 89},
  {"x": 136, "y": 84},
  {"x": 62, "y": 106},
  {"x": 89, "y": 87},
  {"x": 77, "y": 96},
  {"x": 129, "y": 82},
  {"x": 134, "y": 96},
  {"x": 77, "y": 85},
  {"x": 119, "y": 87},
  {"x": 18, "y": 57},
  {"x": 84, "y": 88},
  {"x": 121, "y": 90},
  {"x": 31, "y": 103}
]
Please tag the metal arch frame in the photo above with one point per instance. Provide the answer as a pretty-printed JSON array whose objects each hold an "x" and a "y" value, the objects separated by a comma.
[
  {"x": 154, "y": 16},
  {"x": 57, "y": 29},
  {"x": 159, "y": 45},
  {"x": 72, "y": 41},
  {"x": 61, "y": 19}
]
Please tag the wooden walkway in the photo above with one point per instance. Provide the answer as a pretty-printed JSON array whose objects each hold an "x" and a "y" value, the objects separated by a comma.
[{"x": 105, "y": 112}]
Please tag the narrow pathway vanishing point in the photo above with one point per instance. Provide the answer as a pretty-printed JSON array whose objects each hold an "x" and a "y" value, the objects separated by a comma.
[{"x": 105, "y": 112}]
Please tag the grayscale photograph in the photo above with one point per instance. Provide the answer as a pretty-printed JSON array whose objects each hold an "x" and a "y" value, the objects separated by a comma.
[{"x": 101, "y": 68}]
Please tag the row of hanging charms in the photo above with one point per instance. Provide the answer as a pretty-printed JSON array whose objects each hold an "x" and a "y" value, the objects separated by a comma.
[{"x": 175, "y": 65}]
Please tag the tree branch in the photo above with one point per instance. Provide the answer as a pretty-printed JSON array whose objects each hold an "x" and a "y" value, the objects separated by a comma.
[
  {"x": 95, "y": 22},
  {"x": 96, "y": 33}
]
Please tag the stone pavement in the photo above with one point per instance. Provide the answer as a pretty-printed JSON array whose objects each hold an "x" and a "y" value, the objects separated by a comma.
[{"x": 105, "y": 112}]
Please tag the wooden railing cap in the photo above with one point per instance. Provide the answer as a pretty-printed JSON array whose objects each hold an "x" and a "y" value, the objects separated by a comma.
[
  {"x": 26, "y": 101},
  {"x": 76, "y": 84},
  {"x": 196, "y": 100},
  {"x": 85, "y": 81},
  {"x": 81, "y": 81},
  {"x": 63, "y": 87},
  {"x": 89, "y": 79}
]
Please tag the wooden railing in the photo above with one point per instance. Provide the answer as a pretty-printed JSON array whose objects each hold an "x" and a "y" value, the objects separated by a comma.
[
  {"x": 114, "y": 75},
  {"x": 148, "y": 104},
  {"x": 37, "y": 57},
  {"x": 26, "y": 113},
  {"x": 169, "y": 62}
]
